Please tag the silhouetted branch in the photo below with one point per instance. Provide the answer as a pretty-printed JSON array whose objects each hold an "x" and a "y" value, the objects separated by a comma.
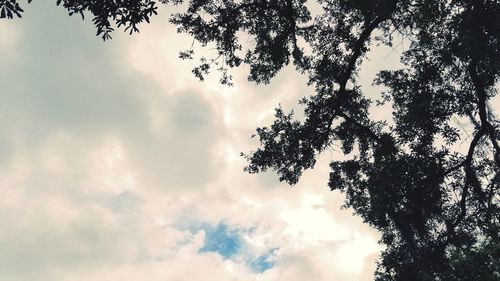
[
  {"x": 470, "y": 178},
  {"x": 483, "y": 116},
  {"x": 340, "y": 98},
  {"x": 365, "y": 129}
]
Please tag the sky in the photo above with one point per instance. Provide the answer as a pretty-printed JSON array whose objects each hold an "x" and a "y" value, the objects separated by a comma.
[{"x": 116, "y": 163}]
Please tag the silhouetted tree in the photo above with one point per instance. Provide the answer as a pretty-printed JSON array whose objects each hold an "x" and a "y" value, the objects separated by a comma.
[{"x": 436, "y": 207}]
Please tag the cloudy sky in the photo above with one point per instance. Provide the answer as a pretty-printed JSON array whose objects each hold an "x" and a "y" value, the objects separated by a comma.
[{"x": 116, "y": 163}]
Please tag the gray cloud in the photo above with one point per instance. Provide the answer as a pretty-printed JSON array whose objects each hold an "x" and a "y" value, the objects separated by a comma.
[{"x": 68, "y": 80}]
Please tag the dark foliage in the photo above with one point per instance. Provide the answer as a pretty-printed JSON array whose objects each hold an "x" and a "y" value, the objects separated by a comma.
[
  {"x": 105, "y": 13},
  {"x": 437, "y": 207}
]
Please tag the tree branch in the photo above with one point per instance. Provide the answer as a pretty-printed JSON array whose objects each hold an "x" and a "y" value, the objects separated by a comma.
[
  {"x": 340, "y": 98},
  {"x": 481, "y": 103},
  {"x": 365, "y": 129},
  {"x": 358, "y": 50},
  {"x": 469, "y": 178}
]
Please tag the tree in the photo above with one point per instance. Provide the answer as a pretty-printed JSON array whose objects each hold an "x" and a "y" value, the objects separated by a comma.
[{"x": 437, "y": 207}]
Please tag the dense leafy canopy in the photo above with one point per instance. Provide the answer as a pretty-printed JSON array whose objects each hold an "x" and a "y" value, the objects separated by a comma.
[{"x": 436, "y": 206}]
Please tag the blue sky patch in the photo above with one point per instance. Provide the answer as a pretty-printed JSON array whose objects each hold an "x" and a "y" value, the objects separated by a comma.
[
  {"x": 222, "y": 240},
  {"x": 263, "y": 262},
  {"x": 228, "y": 242}
]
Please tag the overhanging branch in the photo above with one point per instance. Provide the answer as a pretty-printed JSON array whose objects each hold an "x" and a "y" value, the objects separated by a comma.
[
  {"x": 470, "y": 178},
  {"x": 483, "y": 116},
  {"x": 338, "y": 100}
]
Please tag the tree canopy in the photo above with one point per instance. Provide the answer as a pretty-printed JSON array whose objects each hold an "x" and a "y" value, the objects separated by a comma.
[{"x": 436, "y": 206}]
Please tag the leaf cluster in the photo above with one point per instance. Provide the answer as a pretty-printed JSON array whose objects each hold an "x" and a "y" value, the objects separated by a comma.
[{"x": 105, "y": 13}]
